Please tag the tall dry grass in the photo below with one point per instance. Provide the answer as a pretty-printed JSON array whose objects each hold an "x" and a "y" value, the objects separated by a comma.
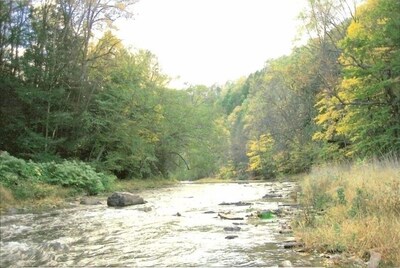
[{"x": 353, "y": 208}]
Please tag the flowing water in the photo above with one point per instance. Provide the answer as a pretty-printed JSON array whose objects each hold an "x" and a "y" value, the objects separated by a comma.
[{"x": 153, "y": 235}]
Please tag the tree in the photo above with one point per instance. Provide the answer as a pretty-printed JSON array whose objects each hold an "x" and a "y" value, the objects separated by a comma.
[
  {"x": 44, "y": 61},
  {"x": 261, "y": 157},
  {"x": 193, "y": 138},
  {"x": 366, "y": 106},
  {"x": 280, "y": 106},
  {"x": 325, "y": 22}
]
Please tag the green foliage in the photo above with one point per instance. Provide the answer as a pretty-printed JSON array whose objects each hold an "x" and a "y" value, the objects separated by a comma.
[
  {"x": 76, "y": 175},
  {"x": 359, "y": 204},
  {"x": 28, "y": 190},
  {"x": 235, "y": 93},
  {"x": 193, "y": 136},
  {"x": 68, "y": 96},
  {"x": 227, "y": 172},
  {"x": 280, "y": 105},
  {"x": 21, "y": 176},
  {"x": 335, "y": 98},
  {"x": 341, "y": 196},
  {"x": 322, "y": 201},
  {"x": 13, "y": 170},
  {"x": 363, "y": 115}
]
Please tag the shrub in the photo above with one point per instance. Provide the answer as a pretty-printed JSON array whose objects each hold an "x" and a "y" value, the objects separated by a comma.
[
  {"x": 77, "y": 175},
  {"x": 24, "y": 177},
  {"x": 13, "y": 170}
]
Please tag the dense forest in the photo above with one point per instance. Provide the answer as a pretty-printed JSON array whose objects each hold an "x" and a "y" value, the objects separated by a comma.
[
  {"x": 69, "y": 96},
  {"x": 335, "y": 98}
]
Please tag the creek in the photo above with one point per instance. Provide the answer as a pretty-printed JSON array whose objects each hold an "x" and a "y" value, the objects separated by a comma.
[{"x": 155, "y": 235}]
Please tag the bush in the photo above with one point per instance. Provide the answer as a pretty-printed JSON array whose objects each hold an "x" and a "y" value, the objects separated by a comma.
[
  {"x": 22, "y": 176},
  {"x": 77, "y": 175},
  {"x": 14, "y": 170}
]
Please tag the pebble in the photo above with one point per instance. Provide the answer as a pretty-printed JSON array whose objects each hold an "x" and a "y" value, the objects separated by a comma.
[{"x": 286, "y": 264}]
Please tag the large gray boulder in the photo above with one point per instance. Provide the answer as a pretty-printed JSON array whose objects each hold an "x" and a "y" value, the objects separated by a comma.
[{"x": 122, "y": 199}]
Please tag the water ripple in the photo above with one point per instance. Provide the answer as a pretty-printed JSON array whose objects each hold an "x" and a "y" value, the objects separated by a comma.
[{"x": 102, "y": 236}]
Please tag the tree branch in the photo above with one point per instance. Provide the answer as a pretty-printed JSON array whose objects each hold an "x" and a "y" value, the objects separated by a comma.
[{"x": 187, "y": 166}]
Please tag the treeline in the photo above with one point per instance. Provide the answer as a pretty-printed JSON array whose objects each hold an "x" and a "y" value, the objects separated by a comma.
[
  {"x": 67, "y": 95},
  {"x": 335, "y": 98}
]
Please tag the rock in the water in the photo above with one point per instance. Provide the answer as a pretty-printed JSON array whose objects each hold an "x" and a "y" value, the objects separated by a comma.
[
  {"x": 122, "y": 199},
  {"x": 232, "y": 229},
  {"x": 272, "y": 196},
  {"x": 210, "y": 212},
  {"x": 285, "y": 231},
  {"x": 231, "y": 237},
  {"x": 286, "y": 264},
  {"x": 293, "y": 245}
]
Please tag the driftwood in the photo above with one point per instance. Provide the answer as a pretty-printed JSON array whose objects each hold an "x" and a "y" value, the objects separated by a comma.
[{"x": 229, "y": 217}]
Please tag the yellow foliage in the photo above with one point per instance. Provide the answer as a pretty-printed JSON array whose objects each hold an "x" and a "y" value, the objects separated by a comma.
[
  {"x": 322, "y": 118},
  {"x": 382, "y": 21},
  {"x": 318, "y": 136},
  {"x": 255, "y": 163},
  {"x": 350, "y": 83},
  {"x": 355, "y": 28},
  {"x": 256, "y": 150}
]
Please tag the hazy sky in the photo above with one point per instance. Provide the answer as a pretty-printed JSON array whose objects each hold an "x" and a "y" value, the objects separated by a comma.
[{"x": 212, "y": 41}]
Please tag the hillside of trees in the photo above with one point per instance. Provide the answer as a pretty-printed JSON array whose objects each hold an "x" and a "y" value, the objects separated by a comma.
[
  {"x": 336, "y": 98},
  {"x": 67, "y": 95}
]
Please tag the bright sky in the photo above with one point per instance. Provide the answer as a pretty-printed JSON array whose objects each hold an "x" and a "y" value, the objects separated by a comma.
[{"x": 212, "y": 41}]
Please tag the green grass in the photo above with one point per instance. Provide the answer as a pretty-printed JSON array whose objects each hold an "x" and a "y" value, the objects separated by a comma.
[{"x": 134, "y": 185}]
